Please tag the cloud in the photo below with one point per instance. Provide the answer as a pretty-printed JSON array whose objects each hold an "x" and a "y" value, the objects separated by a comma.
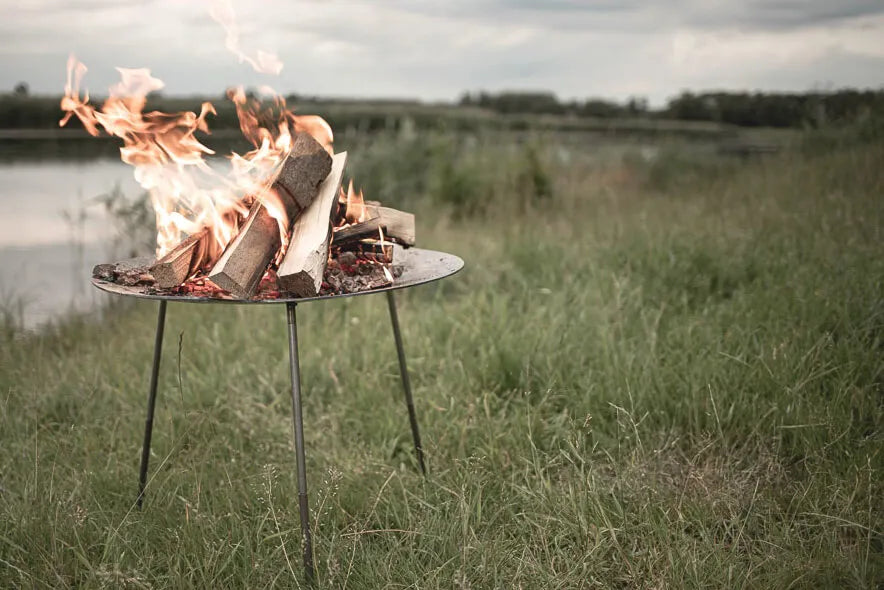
[
  {"x": 780, "y": 14},
  {"x": 432, "y": 50}
]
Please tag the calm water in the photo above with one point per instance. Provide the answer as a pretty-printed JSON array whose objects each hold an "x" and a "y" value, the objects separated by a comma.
[{"x": 52, "y": 231}]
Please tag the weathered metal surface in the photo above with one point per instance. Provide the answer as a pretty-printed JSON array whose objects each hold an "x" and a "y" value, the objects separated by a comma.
[{"x": 418, "y": 266}]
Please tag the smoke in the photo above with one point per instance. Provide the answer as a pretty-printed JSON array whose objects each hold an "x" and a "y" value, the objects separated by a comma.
[{"x": 263, "y": 62}]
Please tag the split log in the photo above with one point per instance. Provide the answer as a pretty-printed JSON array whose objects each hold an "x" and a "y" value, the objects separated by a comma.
[
  {"x": 308, "y": 165},
  {"x": 135, "y": 271},
  {"x": 398, "y": 226},
  {"x": 241, "y": 266},
  {"x": 302, "y": 268},
  {"x": 182, "y": 261}
]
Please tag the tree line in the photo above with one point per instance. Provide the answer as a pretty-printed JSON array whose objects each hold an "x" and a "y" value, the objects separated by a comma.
[
  {"x": 746, "y": 109},
  {"x": 21, "y": 110}
]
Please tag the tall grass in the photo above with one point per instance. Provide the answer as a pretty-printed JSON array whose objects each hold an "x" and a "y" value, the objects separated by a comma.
[{"x": 642, "y": 379}]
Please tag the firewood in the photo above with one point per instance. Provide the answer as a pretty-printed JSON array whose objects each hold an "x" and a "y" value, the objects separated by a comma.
[
  {"x": 182, "y": 261},
  {"x": 301, "y": 270},
  {"x": 241, "y": 266},
  {"x": 398, "y": 226},
  {"x": 308, "y": 165},
  {"x": 135, "y": 271}
]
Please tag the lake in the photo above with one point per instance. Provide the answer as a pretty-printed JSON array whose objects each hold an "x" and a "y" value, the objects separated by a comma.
[{"x": 52, "y": 231}]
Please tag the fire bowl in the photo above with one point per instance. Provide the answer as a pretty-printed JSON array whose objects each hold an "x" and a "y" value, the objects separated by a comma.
[{"x": 413, "y": 266}]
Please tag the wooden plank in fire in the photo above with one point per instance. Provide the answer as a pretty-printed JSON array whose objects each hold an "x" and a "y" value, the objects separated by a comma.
[
  {"x": 397, "y": 226},
  {"x": 302, "y": 268}
]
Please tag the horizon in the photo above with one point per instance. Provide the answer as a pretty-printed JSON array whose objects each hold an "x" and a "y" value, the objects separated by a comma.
[{"x": 215, "y": 95}]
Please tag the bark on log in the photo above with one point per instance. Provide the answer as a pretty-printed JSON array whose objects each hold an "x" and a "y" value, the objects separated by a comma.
[
  {"x": 398, "y": 226},
  {"x": 308, "y": 165},
  {"x": 241, "y": 266},
  {"x": 302, "y": 268},
  {"x": 182, "y": 261}
]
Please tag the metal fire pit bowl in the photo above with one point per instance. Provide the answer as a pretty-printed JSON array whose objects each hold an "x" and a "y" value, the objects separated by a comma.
[{"x": 417, "y": 267}]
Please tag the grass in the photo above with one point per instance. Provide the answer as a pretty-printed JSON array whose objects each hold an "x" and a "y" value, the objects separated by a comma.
[{"x": 635, "y": 383}]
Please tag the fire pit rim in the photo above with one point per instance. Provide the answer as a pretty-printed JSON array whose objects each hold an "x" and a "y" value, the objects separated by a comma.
[{"x": 428, "y": 265}]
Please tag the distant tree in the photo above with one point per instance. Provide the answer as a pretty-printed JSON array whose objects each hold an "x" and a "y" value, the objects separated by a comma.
[
  {"x": 21, "y": 89},
  {"x": 637, "y": 105},
  {"x": 691, "y": 107},
  {"x": 597, "y": 107}
]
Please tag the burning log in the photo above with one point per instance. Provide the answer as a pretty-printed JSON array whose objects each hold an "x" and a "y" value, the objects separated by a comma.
[
  {"x": 308, "y": 165},
  {"x": 241, "y": 266},
  {"x": 397, "y": 226},
  {"x": 182, "y": 261},
  {"x": 304, "y": 264}
]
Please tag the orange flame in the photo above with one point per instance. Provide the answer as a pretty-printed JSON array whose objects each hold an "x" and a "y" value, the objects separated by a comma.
[
  {"x": 273, "y": 202},
  {"x": 354, "y": 204},
  {"x": 187, "y": 193}
]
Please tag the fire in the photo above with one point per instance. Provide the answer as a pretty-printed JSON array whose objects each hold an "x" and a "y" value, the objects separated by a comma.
[
  {"x": 187, "y": 193},
  {"x": 354, "y": 204}
]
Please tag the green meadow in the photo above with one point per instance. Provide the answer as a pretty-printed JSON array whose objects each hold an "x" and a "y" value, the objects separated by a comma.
[{"x": 662, "y": 367}]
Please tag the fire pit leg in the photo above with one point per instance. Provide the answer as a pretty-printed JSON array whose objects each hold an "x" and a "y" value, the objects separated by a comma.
[
  {"x": 297, "y": 418},
  {"x": 406, "y": 383},
  {"x": 151, "y": 402}
]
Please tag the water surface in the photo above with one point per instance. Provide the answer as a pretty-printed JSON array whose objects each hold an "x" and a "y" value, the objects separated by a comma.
[{"x": 52, "y": 231}]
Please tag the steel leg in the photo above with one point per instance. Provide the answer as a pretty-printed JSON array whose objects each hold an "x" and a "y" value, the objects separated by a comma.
[
  {"x": 151, "y": 402},
  {"x": 297, "y": 418},
  {"x": 406, "y": 383}
]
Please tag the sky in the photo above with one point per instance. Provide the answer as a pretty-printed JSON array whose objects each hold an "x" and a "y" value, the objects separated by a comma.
[{"x": 437, "y": 49}]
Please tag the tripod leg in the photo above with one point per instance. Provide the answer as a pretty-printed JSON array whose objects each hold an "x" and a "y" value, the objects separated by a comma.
[
  {"x": 406, "y": 383},
  {"x": 297, "y": 418},
  {"x": 151, "y": 402}
]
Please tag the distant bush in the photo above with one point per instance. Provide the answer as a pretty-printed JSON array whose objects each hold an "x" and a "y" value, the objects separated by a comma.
[
  {"x": 534, "y": 178},
  {"x": 674, "y": 167},
  {"x": 866, "y": 130},
  {"x": 814, "y": 109}
]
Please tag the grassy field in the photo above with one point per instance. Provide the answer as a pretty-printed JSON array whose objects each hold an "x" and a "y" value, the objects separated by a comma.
[{"x": 654, "y": 372}]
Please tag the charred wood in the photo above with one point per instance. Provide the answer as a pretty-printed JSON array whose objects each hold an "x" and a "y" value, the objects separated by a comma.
[{"x": 128, "y": 272}]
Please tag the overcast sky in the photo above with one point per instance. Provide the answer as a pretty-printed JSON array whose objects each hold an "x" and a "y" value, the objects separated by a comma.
[{"x": 436, "y": 49}]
